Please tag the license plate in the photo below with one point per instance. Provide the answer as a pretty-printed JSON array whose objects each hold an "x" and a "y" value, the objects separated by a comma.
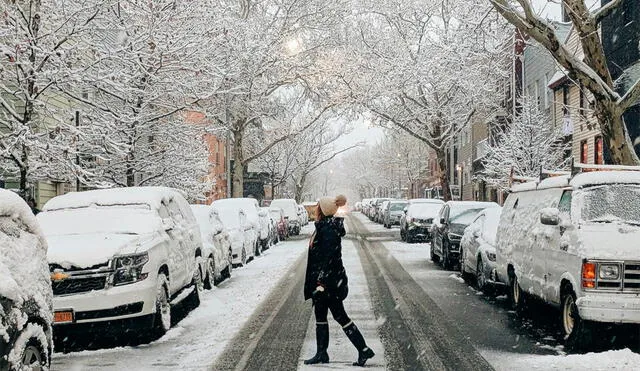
[{"x": 63, "y": 317}]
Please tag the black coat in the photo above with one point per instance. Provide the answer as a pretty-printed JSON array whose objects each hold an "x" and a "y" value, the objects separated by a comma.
[{"x": 324, "y": 263}]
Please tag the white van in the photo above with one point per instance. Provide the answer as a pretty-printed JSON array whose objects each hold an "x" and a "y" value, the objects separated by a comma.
[{"x": 572, "y": 241}]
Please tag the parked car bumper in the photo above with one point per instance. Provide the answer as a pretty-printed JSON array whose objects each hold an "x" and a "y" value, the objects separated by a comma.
[
  {"x": 419, "y": 231},
  {"x": 611, "y": 308},
  {"x": 114, "y": 303}
]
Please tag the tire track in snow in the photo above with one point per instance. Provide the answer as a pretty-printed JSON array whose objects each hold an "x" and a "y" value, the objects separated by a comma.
[{"x": 417, "y": 334}]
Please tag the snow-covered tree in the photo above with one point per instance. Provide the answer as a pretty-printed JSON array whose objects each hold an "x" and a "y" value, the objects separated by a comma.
[
  {"x": 147, "y": 62},
  {"x": 529, "y": 144},
  {"x": 611, "y": 98},
  {"x": 274, "y": 86},
  {"x": 427, "y": 68},
  {"x": 39, "y": 52}
]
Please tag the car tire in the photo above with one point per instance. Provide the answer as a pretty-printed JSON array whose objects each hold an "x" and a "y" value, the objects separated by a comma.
[
  {"x": 578, "y": 333},
  {"x": 446, "y": 260},
  {"x": 516, "y": 295},
  {"x": 210, "y": 275},
  {"x": 434, "y": 258},
  {"x": 408, "y": 237},
  {"x": 481, "y": 278},
  {"x": 32, "y": 352},
  {"x": 403, "y": 235},
  {"x": 257, "y": 248},
  {"x": 243, "y": 257},
  {"x": 226, "y": 274},
  {"x": 162, "y": 315},
  {"x": 463, "y": 272}
]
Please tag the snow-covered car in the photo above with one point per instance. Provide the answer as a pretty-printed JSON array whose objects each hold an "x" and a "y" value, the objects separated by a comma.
[
  {"x": 572, "y": 242},
  {"x": 448, "y": 229},
  {"x": 282, "y": 227},
  {"x": 375, "y": 212},
  {"x": 303, "y": 215},
  {"x": 274, "y": 237},
  {"x": 266, "y": 229},
  {"x": 393, "y": 213},
  {"x": 251, "y": 210},
  {"x": 416, "y": 221},
  {"x": 26, "y": 301},
  {"x": 290, "y": 208},
  {"x": 478, "y": 248},
  {"x": 239, "y": 229},
  {"x": 121, "y": 257},
  {"x": 383, "y": 209},
  {"x": 216, "y": 260}
]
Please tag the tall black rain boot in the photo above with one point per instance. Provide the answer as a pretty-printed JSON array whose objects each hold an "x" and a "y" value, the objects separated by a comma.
[
  {"x": 364, "y": 352},
  {"x": 322, "y": 343}
]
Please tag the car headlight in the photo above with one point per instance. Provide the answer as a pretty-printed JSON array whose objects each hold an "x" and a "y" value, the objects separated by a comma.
[
  {"x": 491, "y": 256},
  {"x": 454, "y": 236},
  {"x": 129, "y": 269},
  {"x": 609, "y": 271}
]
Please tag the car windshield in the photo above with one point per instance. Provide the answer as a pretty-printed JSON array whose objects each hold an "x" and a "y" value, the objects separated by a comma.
[
  {"x": 464, "y": 215},
  {"x": 610, "y": 203},
  {"x": 424, "y": 210},
  {"x": 398, "y": 206},
  {"x": 229, "y": 218},
  {"x": 100, "y": 220}
]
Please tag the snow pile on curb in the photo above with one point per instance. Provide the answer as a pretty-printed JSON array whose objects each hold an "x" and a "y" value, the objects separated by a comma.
[{"x": 612, "y": 360}]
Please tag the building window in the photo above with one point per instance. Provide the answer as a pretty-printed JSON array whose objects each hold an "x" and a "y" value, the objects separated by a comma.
[
  {"x": 598, "y": 153},
  {"x": 584, "y": 152},
  {"x": 565, "y": 100}
]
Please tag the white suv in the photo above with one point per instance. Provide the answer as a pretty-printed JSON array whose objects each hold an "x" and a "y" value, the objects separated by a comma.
[
  {"x": 572, "y": 241},
  {"x": 121, "y": 257}
]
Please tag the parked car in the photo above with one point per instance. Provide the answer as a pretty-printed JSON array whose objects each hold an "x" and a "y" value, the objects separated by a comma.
[
  {"x": 240, "y": 234},
  {"x": 478, "y": 248},
  {"x": 26, "y": 301},
  {"x": 447, "y": 231},
  {"x": 381, "y": 211},
  {"x": 216, "y": 261},
  {"x": 290, "y": 208},
  {"x": 358, "y": 206},
  {"x": 258, "y": 231},
  {"x": 416, "y": 221},
  {"x": 303, "y": 215},
  {"x": 377, "y": 209},
  {"x": 393, "y": 213},
  {"x": 281, "y": 223},
  {"x": 572, "y": 242},
  {"x": 121, "y": 257},
  {"x": 274, "y": 237}
]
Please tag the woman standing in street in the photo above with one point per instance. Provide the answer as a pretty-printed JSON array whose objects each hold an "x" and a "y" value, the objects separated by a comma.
[{"x": 326, "y": 281}]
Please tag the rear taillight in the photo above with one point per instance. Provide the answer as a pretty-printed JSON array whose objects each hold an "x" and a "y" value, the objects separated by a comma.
[{"x": 589, "y": 275}]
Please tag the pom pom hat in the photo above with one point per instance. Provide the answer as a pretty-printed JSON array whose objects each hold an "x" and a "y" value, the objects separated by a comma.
[{"x": 330, "y": 205}]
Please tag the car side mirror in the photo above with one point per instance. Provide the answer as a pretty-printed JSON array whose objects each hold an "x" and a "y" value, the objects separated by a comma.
[
  {"x": 550, "y": 216},
  {"x": 442, "y": 221},
  {"x": 286, "y": 218},
  {"x": 405, "y": 210},
  {"x": 476, "y": 233}
]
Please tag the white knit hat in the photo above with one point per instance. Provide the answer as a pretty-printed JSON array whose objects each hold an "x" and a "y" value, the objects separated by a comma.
[{"x": 330, "y": 205}]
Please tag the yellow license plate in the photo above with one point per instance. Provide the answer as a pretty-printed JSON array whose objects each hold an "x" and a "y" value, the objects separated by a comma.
[{"x": 63, "y": 317}]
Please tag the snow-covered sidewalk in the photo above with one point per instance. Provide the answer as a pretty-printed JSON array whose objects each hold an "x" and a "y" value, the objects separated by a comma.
[
  {"x": 359, "y": 308},
  {"x": 197, "y": 341}
]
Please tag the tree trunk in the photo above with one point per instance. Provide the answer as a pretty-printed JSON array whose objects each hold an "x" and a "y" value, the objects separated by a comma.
[
  {"x": 24, "y": 169},
  {"x": 443, "y": 165},
  {"x": 616, "y": 136},
  {"x": 238, "y": 165},
  {"x": 299, "y": 188}
]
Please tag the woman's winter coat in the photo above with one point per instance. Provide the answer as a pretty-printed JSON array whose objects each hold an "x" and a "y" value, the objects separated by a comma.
[{"x": 324, "y": 264}]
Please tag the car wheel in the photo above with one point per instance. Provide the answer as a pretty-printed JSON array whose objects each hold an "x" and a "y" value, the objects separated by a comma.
[
  {"x": 578, "y": 334},
  {"x": 446, "y": 260},
  {"x": 243, "y": 257},
  {"x": 229, "y": 269},
  {"x": 434, "y": 258},
  {"x": 29, "y": 349},
  {"x": 257, "y": 248},
  {"x": 481, "y": 278},
  {"x": 515, "y": 294},
  {"x": 461, "y": 265},
  {"x": 402, "y": 235},
  {"x": 210, "y": 276},
  {"x": 162, "y": 316}
]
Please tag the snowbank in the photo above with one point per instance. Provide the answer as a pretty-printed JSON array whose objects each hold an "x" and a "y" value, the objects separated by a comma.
[{"x": 612, "y": 360}]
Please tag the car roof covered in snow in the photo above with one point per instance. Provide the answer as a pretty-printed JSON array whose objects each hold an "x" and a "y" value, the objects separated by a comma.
[
  {"x": 605, "y": 177},
  {"x": 152, "y": 196},
  {"x": 554, "y": 182},
  {"x": 473, "y": 203}
]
